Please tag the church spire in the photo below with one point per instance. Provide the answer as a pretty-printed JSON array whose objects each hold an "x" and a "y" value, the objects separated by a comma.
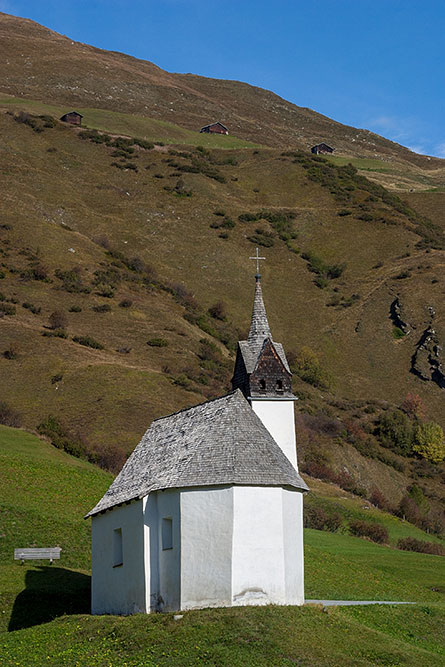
[
  {"x": 259, "y": 326},
  {"x": 261, "y": 367}
]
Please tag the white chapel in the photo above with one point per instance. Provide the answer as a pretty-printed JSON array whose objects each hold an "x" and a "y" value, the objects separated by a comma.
[{"x": 208, "y": 509}]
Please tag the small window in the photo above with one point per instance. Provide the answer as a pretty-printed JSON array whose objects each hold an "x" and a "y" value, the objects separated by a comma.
[
  {"x": 167, "y": 534},
  {"x": 117, "y": 547},
  {"x": 263, "y": 385},
  {"x": 279, "y": 385}
]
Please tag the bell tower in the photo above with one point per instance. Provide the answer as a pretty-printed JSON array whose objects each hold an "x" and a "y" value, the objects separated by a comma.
[{"x": 263, "y": 375}]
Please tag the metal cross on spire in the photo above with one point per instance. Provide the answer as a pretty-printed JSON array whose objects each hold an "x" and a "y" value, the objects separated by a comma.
[{"x": 257, "y": 258}]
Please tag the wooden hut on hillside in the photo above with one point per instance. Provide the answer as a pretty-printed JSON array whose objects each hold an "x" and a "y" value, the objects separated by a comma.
[
  {"x": 72, "y": 117},
  {"x": 215, "y": 128},
  {"x": 322, "y": 148}
]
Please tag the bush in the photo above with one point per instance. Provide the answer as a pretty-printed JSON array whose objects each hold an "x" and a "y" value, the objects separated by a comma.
[
  {"x": 374, "y": 531},
  {"x": 9, "y": 416},
  {"x": 12, "y": 352},
  {"x": 157, "y": 342},
  {"x": 72, "y": 281},
  {"x": 218, "y": 311},
  {"x": 30, "y": 306},
  {"x": 101, "y": 308},
  {"x": 316, "y": 517},
  {"x": 61, "y": 438},
  {"x": 414, "y": 406},
  {"x": 429, "y": 442},
  {"x": 39, "y": 272},
  {"x": 58, "y": 320},
  {"x": 75, "y": 309},
  {"x": 87, "y": 341},
  {"x": 422, "y": 547},
  {"x": 409, "y": 511},
  {"x": 396, "y": 432},
  {"x": 126, "y": 303},
  {"x": 7, "y": 309},
  {"x": 378, "y": 499},
  {"x": 309, "y": 369},
  {"x": 55, "y": 333},
  {"x": 262, "y": 238}
]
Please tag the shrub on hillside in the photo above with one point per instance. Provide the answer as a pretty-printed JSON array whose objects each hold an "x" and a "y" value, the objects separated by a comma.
[
  {"x": 125, "y": 303},
  {"x": 343, "y": 479},
  {"x": 378, "y": 499},
  {"x": 101, "y": 308},
  {"x": 72, "y": 281},
  {"x": 414, "y": 406},
  {"x": 409, "y": 511},
  {"x": 218, "y": 311},
  {"x": 11, "y": 352},
  {"x": 157, "y": 342},
  {"x": 61, "y": 438},
  {"x": 58, "y": 320},
  {"x": 87, "y": 341},
  {"x": 7, "y": 309},
  {"x": 309, "y": 369},
  {"x": 55, "y": 333},
  {"x": 396, "y": 431},
  {"x": 316, "y": 517},
  {"x": 373, "y": 531},
  {"x": 429, "y": 442},
  {"x": 9, "y": 416},
  {"x": 422, "y": 547}
]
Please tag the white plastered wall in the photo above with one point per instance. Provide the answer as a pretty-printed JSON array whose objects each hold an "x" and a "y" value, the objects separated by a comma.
[
  {"x": 206, "y": 547},
  {"x": 293, "y": 546},
  {"x": 169, "y": 563},
  {"x": 278, "y": 417},
  {"x": 118, "y": 590},
  {"x": 257, "y": 557}
]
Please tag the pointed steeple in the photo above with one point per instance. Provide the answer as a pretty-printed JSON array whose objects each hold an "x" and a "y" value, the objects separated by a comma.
[
  {"x": 261, "y": 367},
  {"x": 259, "y": 326}
]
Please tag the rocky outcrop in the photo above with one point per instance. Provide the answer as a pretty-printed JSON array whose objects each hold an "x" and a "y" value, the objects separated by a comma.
[
  {"x": 397, "y": 316},
  {"x": 426, "y": 361}
]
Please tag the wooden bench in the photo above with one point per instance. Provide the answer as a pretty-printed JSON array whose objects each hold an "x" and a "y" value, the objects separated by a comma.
[{"x": 37, "y": 553}]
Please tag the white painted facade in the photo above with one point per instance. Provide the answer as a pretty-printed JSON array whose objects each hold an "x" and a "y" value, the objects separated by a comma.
[
  {"x": 277, "y": 416},
  {"x": 231, "y": 546},
  {"x": 118, "y": 588}
]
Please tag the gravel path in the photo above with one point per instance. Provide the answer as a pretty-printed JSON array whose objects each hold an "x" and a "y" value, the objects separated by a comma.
[{"x": 346, "y": 603}]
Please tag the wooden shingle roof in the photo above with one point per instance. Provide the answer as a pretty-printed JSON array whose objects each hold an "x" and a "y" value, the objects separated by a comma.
[{"x": 218, "y": 442}]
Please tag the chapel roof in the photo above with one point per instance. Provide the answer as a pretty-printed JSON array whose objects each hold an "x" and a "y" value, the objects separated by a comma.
[{"x": 218, "y": 442}]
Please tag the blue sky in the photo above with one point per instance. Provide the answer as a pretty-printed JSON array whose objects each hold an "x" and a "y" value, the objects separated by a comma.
[{"x": 375, "y": 64}]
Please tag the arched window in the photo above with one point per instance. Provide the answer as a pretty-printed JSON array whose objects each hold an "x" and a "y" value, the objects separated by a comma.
[
  {"x": 279, "y": 385},
  {"x": 263, "y": 385}
]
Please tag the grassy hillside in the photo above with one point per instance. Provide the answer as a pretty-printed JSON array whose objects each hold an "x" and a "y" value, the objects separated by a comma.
[
  {"x": 45, "y": 493},
  {"x": 135, "y": 256},
  {"x": 78, "y": 75},
  {"x": 46, "y": 608}
]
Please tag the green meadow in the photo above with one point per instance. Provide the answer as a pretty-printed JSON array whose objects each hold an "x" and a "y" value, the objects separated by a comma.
[
  {"x": 131, "y": 125},
  {"x": 44, "y": 610}
]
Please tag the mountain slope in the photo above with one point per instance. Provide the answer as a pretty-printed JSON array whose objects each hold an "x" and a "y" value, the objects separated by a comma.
[{"x": 39, "y": 64}]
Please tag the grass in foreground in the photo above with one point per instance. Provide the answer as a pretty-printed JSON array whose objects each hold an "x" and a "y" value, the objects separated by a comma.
[
  {"x": 44, "y": 609},
  {"x": 237, "y": 636}
]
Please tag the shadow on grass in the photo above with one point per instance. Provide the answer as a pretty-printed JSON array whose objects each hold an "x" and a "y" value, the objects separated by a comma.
[{"x": 50, "y": 592}]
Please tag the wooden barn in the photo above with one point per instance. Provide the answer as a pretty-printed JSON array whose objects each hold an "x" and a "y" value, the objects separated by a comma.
[
  {"x": 72, "y": 117},
  {"x": 215, "y": 128},
  {"x": 321, "y": 148}
]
